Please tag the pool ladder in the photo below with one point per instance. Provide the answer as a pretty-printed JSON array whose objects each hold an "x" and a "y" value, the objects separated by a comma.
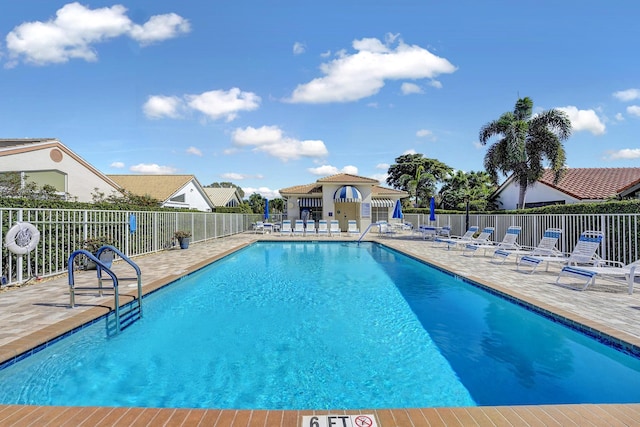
[{"x": 128, "y": 313}]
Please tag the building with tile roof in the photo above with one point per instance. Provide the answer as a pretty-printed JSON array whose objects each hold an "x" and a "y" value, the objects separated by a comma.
[
  {"x": 47, "y": 161},
  {"x": 227, "y": 197},
  {"x": 173, "y": 191},
  {"x": 577, "y": 185},
  {"x": 343, "y": 197}
]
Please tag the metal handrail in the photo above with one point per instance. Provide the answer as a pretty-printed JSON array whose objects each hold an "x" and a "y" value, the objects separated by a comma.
[
  {"x": 128, "y": 261},
  {"x": 100, "y": 265}
]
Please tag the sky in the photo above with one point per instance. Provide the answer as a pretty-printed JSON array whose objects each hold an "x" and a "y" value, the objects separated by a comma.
[{"x": 273, "y": 94}]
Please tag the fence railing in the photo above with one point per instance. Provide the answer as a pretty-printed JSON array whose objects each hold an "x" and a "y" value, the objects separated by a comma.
[
  {"x": 63, "y": 231},
  {"x": 621, "y": 231}
]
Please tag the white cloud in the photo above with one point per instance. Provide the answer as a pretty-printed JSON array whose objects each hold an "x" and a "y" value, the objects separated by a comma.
[
  {"x": 410, "y": 88},
  {"x": 634, "y": 110},
  {"x": 627, "y": 95},
  {"x": 435, "y": 83},
  {"x": 76, "y": 29},
  {"x": 158, "y": 106},
  {"x": 478, "y": 144},
  {"x": 215, "y": 104},
  {"x": 223, "y": 104},
  {"x": 271, "y": 140},
  {"x": 117, "y": 165},
  {"x": 381, "y": 177},
  {"x": 263, "y": 191},
  {"x": 410, "y": 151},
  {"x": 619, "y": 117},
  {"x": 195, "y": 151},
  {"x": 153, "y": 169},
  {"x": 584, "y": 120},
  {"x": 299, "y": 48},
  {"x": 326, "y": 170},
  {"x": 362, "y": 74},
  {"x": 240, "y": 176},
  {"x": 426, "y": 133},
  {"x": 625, "y": 153},
  {"x": 383, "y": 166}
]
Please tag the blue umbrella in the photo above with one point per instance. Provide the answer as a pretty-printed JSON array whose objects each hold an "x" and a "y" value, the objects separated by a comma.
[
  {"x": 397, "y": 211},
  {"x": 266, "y": 208},
  {"x": 432, "y": 209}
]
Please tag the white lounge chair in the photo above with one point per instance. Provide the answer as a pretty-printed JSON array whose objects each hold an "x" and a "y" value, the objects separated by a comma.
[
  {"x": 285, "y": 228},
  {"x": 583, "y": 253},
  {"x": 258, "y": 227},
  {"x": 385, "y": 229},
  {"x": 614, "y": 271},
  {"x": 334, "y": 228},
  {"x": 298, "y": 228},
  {"x": 310, "y": 229},
  {"x": 322, "y": 228},
  {"x": 482, "y": 239},
  {"x": 465, "y": 238},
  {"x": 546, "y": 246},
  {"x": 353, "y": 228},
  {"x": 508, "y": 242},
  {"x": 426, "y": 232}
]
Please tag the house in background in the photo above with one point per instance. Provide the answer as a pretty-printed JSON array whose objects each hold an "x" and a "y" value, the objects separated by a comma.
[
  {"x": 47, "y": 161},
  {"x": 577, "y": 185},
  {"x": 343, "y": 197},
  {"x": 227, "y": 197},
  {"x": 173, "y": 191}
]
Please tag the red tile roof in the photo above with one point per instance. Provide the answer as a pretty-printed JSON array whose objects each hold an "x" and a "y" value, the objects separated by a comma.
[{"x": 593, "y": 183}]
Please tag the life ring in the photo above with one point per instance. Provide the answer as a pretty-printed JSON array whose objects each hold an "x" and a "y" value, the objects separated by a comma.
[{"x": 22, "y": 238}]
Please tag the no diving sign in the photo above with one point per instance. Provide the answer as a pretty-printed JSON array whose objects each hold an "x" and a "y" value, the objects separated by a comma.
[{"x": 365, "y": 420}]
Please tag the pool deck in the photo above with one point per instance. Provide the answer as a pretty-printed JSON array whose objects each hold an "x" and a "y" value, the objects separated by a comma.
[{"x": 39, "y": 311}]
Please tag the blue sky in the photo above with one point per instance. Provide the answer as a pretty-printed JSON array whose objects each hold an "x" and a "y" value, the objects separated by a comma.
[{"x": 271, "y": 94}]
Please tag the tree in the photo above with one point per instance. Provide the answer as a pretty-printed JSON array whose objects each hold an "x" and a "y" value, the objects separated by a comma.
[
  {"x": 462, "y": 186},
  {"x": 417, "y": 175},
  {"x": 527, "y": 140},
  {"x": 257, "y": 202}
]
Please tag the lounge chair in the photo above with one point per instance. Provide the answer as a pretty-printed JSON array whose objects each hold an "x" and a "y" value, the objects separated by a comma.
[
  {"x": 546, "y": 246},
  {"x": 466, "y": 237},
  {"x": 310, "y": 228},
  {"x": 583, "y": 253},
  {"x": 613, "y": 271},
  {"x": 444, "y": 231},
  {"x": 298, "y": 229},
  {"x": 426, "y": 232},
  {"x": 334, "y": 228},
  {"x": 258, "y": 227},
  {"x": 482, "y": 239},
  {"x": 322, "y": 228},
  {"x": 353, "y": 228},
  {"x": 385, "y": 229},
  {"x": 285, "y": 228},
  {"x": 508, "y": 242}
]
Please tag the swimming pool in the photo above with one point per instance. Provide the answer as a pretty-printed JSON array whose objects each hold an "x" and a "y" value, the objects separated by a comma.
[{"x": 324, "y": 325}]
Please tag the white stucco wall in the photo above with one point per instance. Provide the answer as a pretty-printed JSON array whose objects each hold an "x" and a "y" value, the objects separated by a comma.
[
  {"x": 81, "y": 182},
  {"x": 193, "y": 198},
  {"x": 535, "y": 194}
]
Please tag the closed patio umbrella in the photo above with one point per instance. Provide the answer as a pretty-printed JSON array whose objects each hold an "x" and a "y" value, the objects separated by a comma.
[
  {"x": 266, "y": 209},
  {"x": 432, "y": 209},
  {"x": 397, "y": 211}
]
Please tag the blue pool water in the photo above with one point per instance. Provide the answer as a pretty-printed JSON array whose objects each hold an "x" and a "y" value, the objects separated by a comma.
[{"x": 324, "y": 325}]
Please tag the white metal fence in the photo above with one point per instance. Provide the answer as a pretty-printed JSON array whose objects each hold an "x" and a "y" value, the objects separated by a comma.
[
  {"x": 621, "y": 231},
  {"x": 63, "y": 231}
]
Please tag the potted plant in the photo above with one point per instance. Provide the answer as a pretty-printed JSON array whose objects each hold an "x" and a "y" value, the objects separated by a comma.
[
  {"x": 183, "y": 238},
  {"x": 92, "y": 245}
]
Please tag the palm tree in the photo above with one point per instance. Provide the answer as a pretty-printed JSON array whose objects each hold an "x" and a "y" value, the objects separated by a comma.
[{"x": 526, "y": 141}]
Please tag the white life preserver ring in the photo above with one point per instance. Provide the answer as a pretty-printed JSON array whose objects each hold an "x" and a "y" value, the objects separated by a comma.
[{"x": 22, "y": 238}]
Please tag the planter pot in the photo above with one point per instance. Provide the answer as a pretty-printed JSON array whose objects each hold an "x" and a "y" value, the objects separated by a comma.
[
  {"x": 106, "y": 257},
  {"x": 184, "y": 242}
]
